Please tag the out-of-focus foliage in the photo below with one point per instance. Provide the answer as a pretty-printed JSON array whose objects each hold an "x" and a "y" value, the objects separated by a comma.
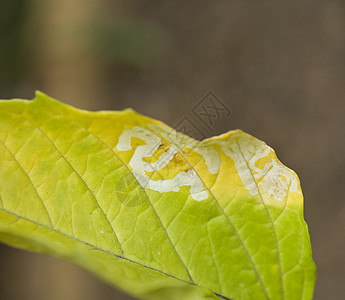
[
  {"x": 132, "y": 42},
  {"x": 14, "y": 44}
]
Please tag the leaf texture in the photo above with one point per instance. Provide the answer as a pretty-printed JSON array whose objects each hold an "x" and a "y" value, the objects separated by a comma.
[{"x": 152, "y": 211}]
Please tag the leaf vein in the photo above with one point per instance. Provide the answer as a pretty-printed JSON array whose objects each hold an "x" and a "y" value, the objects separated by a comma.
[
  {"x": 159, "y": 219},
  {"x": 100, "y": 249},
  {"x": 81, "y": 178},
  {"x": 271, "y": 221},
  {"x": 231, "y": 224},
  {"x": 30, "y": 181}
]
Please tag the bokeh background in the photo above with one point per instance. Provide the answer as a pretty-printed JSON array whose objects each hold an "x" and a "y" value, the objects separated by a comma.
[{"x": 278, "y": 65}]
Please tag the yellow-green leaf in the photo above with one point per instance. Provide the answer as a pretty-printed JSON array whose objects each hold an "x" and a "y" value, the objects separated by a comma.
[{"x": 150, "y": 210}]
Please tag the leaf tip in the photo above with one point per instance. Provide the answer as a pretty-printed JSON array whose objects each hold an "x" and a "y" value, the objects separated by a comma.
[{"x": 40, "y": 96}]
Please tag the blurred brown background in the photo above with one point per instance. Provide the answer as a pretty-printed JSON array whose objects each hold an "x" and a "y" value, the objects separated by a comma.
[{"x": 279, "y": 66}]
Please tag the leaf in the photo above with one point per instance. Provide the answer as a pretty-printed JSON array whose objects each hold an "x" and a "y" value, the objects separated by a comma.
[{"x": 150, "y": 210}]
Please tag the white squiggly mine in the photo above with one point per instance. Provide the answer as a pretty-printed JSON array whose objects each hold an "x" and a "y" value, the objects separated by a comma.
[
  {"x": 274, "y": 178},
  {"x": 140, "y": 167}
]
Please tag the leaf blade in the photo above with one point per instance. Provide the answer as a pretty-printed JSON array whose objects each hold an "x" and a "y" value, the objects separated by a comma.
[{"x": 215, "y": 225}]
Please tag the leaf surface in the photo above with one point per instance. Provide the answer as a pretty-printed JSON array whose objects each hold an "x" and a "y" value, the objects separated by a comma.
[{"x": 152, "y": 211}]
